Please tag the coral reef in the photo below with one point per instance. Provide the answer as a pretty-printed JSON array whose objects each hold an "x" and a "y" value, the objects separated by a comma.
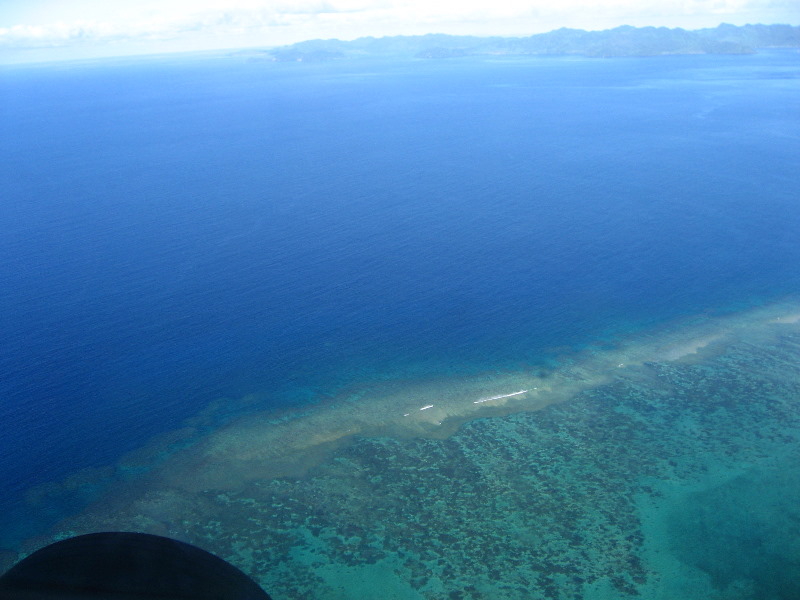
[{"x": 534, "y": 505}]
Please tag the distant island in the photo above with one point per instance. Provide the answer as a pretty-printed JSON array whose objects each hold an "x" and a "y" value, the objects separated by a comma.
[{"x": 617, "y": 42}]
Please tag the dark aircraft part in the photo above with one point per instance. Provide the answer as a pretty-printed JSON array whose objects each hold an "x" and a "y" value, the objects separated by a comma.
[{"x": 125, "y": 566}]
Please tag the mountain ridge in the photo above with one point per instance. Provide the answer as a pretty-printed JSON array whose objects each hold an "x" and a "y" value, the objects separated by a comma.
[{"x": 621, "y": 41}]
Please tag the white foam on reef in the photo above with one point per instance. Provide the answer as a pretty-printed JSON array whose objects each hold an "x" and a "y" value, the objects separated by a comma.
[
  {"x": 264, "y": 446},
  {"x": 482, "y": 400}
]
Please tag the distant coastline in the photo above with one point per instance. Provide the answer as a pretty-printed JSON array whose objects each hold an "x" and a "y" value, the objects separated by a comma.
[{"x": 624, "y": 41}]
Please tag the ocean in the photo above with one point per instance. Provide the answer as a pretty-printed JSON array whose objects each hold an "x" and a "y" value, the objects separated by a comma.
[{"x": 197, "y": 244}]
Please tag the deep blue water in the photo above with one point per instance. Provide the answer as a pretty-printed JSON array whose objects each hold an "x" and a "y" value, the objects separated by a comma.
[{"x": 180, "y": 230}]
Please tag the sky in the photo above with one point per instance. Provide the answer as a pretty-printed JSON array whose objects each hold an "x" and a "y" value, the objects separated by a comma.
[{"x": 48, "y": 30}]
